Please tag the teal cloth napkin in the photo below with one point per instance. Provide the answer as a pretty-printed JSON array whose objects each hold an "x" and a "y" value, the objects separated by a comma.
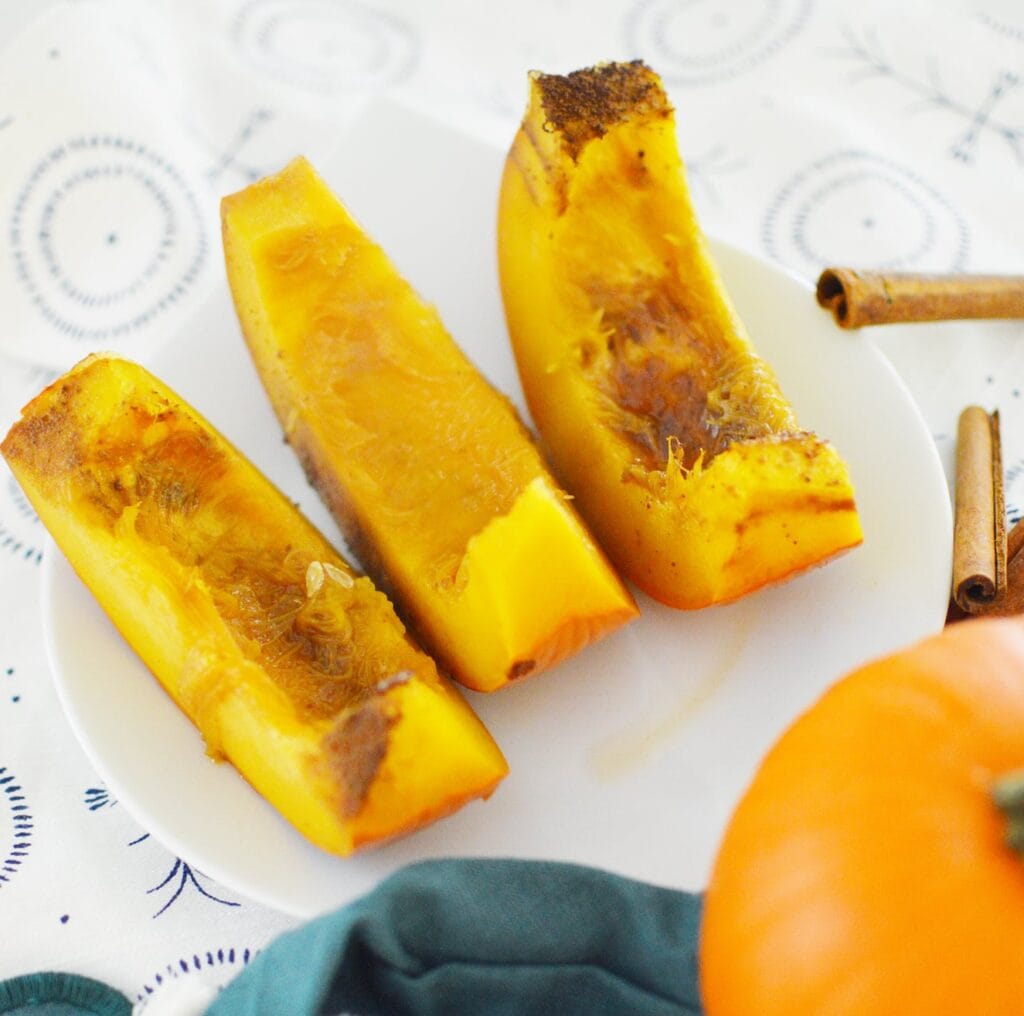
[{"x": 484, "y": 936}]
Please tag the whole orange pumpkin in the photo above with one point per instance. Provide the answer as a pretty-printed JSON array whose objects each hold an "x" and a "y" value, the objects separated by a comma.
[{"x": 869, "y": 870}]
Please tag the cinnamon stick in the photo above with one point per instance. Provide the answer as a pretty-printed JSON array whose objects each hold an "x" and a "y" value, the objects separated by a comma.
[
  {"x": 979, "y": 532},
  {"x": 874, "y": 298},
  {"x": 1015, "y": 541},
  {"x": 1012, "y": 601}
]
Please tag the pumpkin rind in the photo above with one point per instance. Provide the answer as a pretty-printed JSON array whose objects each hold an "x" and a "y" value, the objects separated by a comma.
[
  {"x": 682, "y": 452},
  {"x": 432, "y": 477},
  {"x": 864, "y": 871},
  {"x": 293, "y": 667}
]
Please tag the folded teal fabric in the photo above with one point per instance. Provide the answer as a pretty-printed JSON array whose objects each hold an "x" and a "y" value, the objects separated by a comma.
[{"x": 485, "y": 936}]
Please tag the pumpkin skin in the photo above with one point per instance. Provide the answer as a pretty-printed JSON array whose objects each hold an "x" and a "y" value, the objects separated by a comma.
[
  {"x": 681, "y": 451},
  {"x": 435, "y": 482},
  {"x": 865, "y": 870},
  {"x": 310, "y": 689}
]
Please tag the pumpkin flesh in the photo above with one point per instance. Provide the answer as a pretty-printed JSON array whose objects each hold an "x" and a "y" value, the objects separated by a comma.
[
  {"x": 434, "y": 480},
  {"x": 674, "y": 437},
  {"x": 293, "y": 667}
]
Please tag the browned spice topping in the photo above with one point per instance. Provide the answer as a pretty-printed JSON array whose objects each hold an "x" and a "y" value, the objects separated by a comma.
[
  {"x": 811, "y": 504},
  {"x": 153, "y": 469},
  {"x": 521, "y": 668},
  {"x": 585, "y": 104},
  {"x": 325, "y": 483},
  {"x": 50, "y": 439},
  {"x": 355, "y": 749},
  {"x": 663, "y": 404},
  {"x": 670, "y": 381}
]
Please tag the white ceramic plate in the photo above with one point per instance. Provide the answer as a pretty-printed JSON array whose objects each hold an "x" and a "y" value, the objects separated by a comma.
[{"x": 629, "y": 757}]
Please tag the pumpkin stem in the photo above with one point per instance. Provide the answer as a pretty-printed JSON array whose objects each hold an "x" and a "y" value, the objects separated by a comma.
[{"x": 1008, "y": 796}]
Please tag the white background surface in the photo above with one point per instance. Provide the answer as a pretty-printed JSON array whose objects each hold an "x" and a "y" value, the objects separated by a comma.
[{"x": 880, "y": 135}]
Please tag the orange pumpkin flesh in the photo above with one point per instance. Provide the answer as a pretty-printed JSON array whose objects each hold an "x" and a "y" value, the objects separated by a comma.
[
  {"x": 428, "y": 470},
  {"x": 865, "y": 870},
  {"x": 674, "y": 437},
  {"x": 293, "y": 668}
]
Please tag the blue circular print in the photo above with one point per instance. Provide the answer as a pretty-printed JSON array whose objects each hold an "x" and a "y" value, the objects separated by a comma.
[
  {"x": 21, "y": 532},
  {"x": 215, "y": 966},
  {"x": 324, "y": 46},
  {"x": 16, "y": 827},
  {"x": 858, "y": 208},
  {"x": 1006, "y": 29},
  {"x": 700, "y": 42},
  {"x": 105, "y": 236}
]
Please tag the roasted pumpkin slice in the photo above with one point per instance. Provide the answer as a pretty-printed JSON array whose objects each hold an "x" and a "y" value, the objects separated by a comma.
[
  {"x": 674, "y": 437},
  {"x": 293, "y": 667},
  {"x": 434, "y": 480}
]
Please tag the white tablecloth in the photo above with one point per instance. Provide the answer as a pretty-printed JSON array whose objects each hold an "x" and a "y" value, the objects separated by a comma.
[{"x": 876, "y": 134}]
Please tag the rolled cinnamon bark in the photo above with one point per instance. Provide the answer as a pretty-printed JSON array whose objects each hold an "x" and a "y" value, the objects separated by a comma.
[
  {"x": 979, "y": 533},
  {"x": 875, "y": 298},
  {"x": 1013, "y": 601},
  {"x": 1015, "y": 541}
]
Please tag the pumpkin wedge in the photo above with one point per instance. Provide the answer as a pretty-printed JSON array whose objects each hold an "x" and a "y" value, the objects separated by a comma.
[
  {"x": 674, "y": 437},
  {"x": 432, "y": 477},
  {"x": 294, "y": 668}
]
